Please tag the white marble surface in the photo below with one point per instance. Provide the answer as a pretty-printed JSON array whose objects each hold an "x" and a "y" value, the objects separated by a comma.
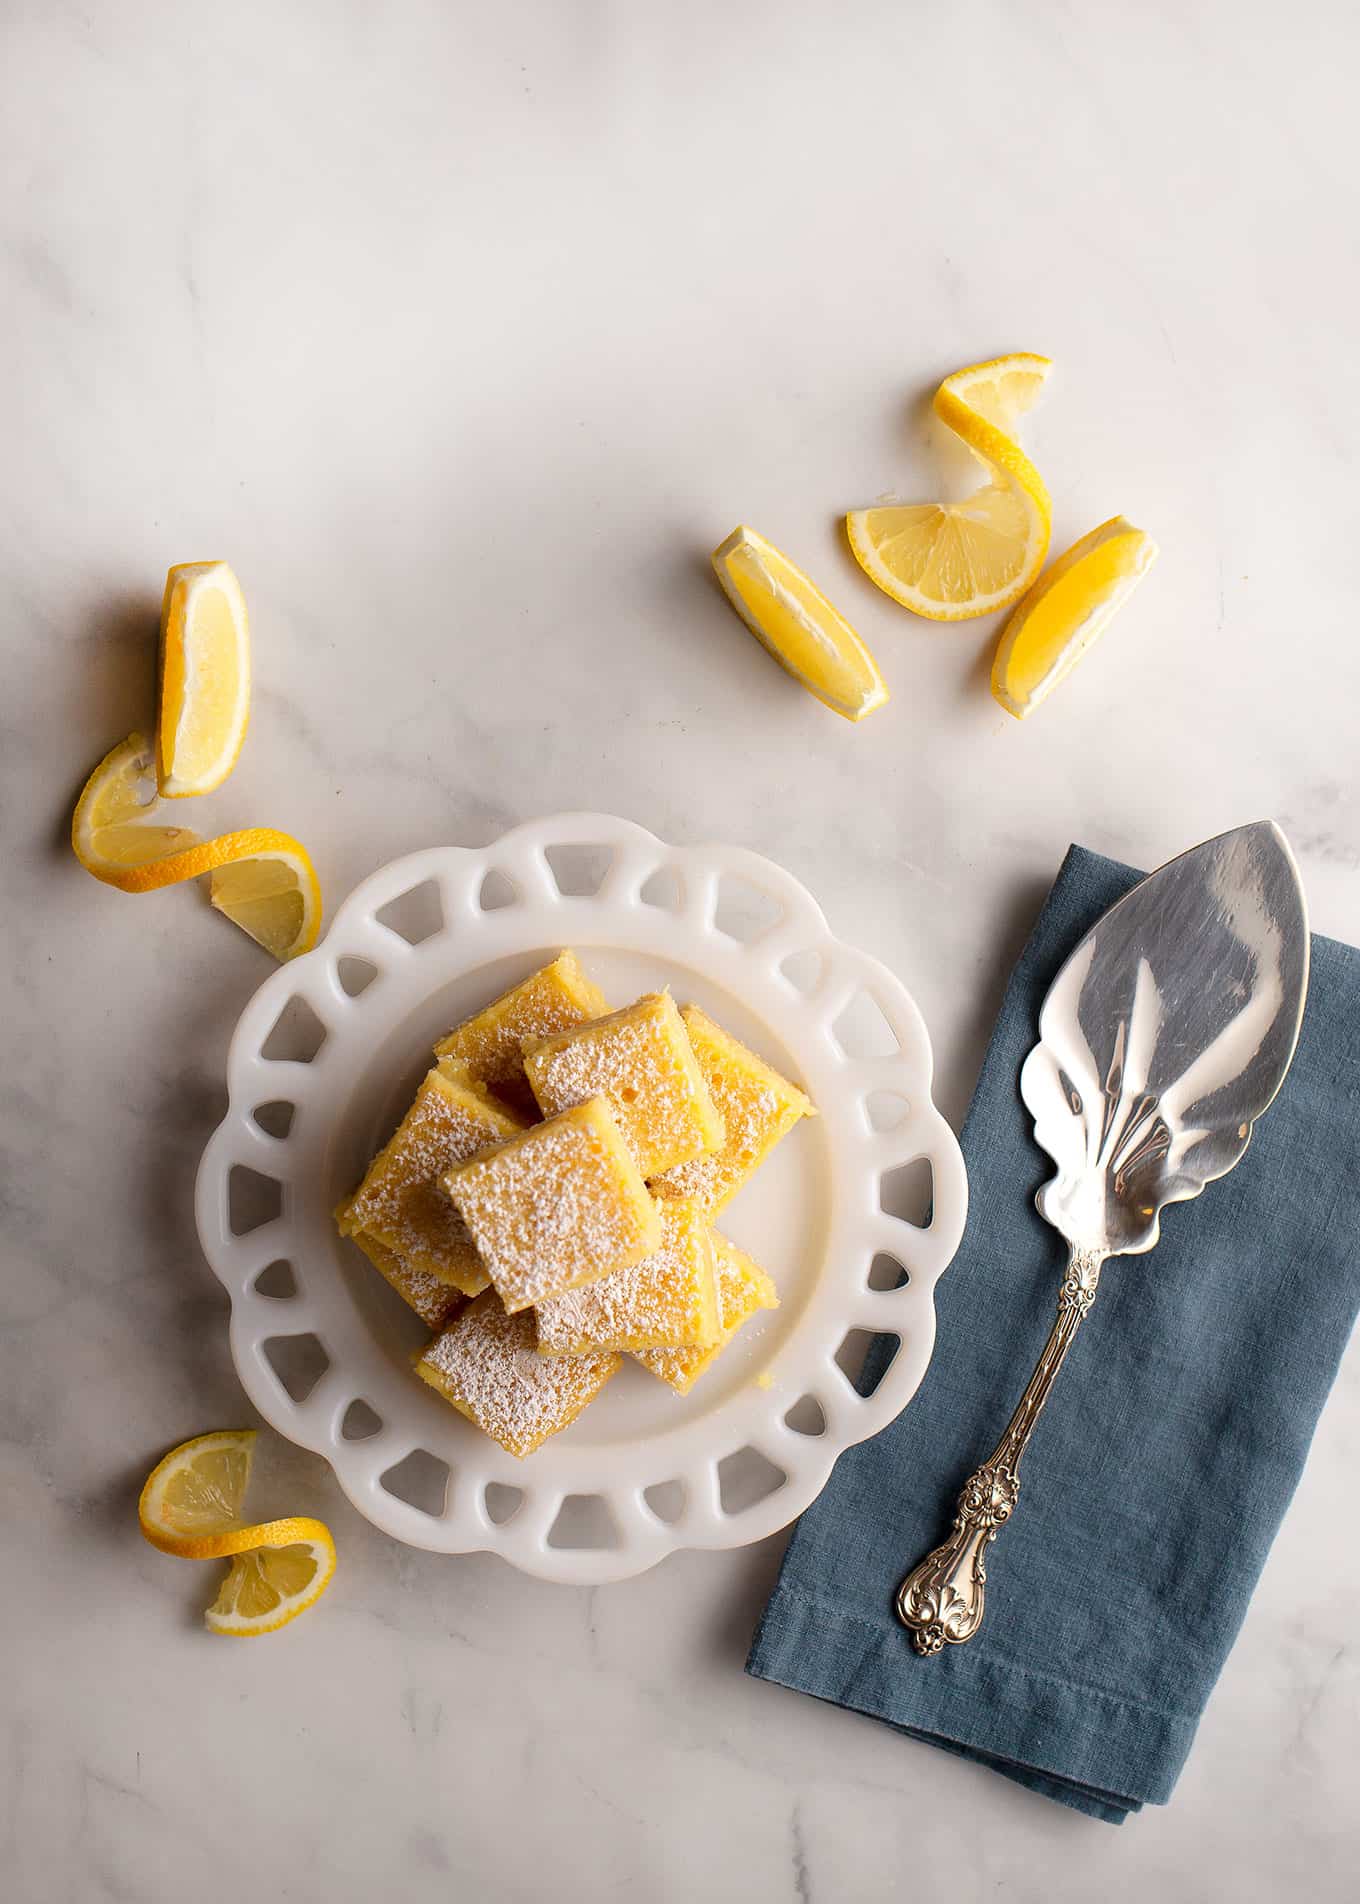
[{"x": 464, "y": 333}]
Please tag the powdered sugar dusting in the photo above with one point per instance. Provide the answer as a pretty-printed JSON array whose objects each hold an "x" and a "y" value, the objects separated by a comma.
[
  {"x": 401, "y": 1202},
  {"x": 640, "y": 1060},
  {"x": 549, "y": 1000},
  {"x": 434, "y": 1302},
  {"x": 757, "y": 1105},
  {"x": 488, "y": 1366},
  {"x": 668, "y": 1299},
  {"x": 558, "y": 1205},
  {"x": 743, "y": 1287}
]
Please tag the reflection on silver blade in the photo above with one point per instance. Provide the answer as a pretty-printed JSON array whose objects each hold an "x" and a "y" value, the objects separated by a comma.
[{"x": 1165, "y": 1036}]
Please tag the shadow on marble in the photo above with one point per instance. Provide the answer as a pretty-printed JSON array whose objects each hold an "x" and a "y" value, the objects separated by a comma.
[
  {"x": 953, "y": 472},
  {"x": 111, "y": 1516},
  {"x": 735, "y": 1618},
  {"x": 112, "y": 689},
  {"x": 976, "y": 684},
  {"x": 113, "y": 1510},
  {"x": 1012, "y": 926},
  {"x": 176, "y": 1110},
  {"x": 709, "y": 614}
]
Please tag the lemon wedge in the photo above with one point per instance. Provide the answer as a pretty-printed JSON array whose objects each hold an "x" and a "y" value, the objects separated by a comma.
[
  {"x": 191, "y": 1507},
  {"x": 1066, "y": 612},
  {"x": 793, "y": 619},
  {"x": 263, "y": 880},
  {"x": 204, "y": 678},
  {"x": 947, "y": 560}
]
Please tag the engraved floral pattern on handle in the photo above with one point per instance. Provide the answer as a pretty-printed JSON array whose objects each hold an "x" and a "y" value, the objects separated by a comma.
[{"x": 942, "y": 1600}]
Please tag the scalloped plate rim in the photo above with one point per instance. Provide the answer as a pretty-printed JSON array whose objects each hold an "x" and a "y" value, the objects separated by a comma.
[{"x": 645, "y": 1537}]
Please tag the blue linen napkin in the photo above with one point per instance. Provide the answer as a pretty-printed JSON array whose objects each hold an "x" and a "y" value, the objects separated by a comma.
[{"x": 1164, "y": 1461}]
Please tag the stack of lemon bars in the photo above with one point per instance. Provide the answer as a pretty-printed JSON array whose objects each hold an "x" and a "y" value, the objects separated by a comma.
[{"x": 546, "y": 1204}]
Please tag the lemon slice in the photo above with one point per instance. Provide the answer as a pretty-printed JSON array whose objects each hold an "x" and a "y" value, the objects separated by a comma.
[
  {"x": 194, "y": 1495},
  {"x": 205, "y": 678},
  {"x": 191, "y": 1507},
  {"x": 1066, "y": 612},
  {"x": 263, "y": 880},
  {"x": 947, "y": 560},
  {"x": 794, "y": 620},
  {"x": 111, "y": 831},
  {"x": 267, "y": 1588}
]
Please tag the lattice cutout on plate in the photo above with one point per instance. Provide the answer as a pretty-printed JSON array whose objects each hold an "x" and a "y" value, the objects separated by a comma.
[
  {"x": 745, "y": 911},
  {"x": 806, "y": 1417},
  {"x": 862, "y": 1029},
  {"x": 354, "y": 976},
  {"x": 666, "y": 1499},
  {"x": 886, "y": 1272},
  {"x": 502, "y": 1503},
  {"x": 579, "y": 870},
  {"x": 276, "y": 1281},
  {"x": 864, "y": 1358},
  {"x": 751, "y": 932},
  {"x": 496, "y": 891},
  {"x": 746, "y": 1478},
  {"x": 254, "y": 1199},
  {"x": 663, "y": 889},
  {"x": 275, "y": 1118},
  {"x": 298, "y": 1361},
  {"x": 905, "y": 1192},
  {"x": 585, "y": 1524},
  {"x": 886, "y": 1110},
  {"x": 803, "y": 970},
  {"x": 414, "y": 915},
  {"x": 420, "y": 1480},
  {"x": 359, "y": 1421},
  {"x": 297, "y": 1034}
]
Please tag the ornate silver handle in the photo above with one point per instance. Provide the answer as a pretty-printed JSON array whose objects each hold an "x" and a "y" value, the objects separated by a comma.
[{"x": 941, "y": 1601}]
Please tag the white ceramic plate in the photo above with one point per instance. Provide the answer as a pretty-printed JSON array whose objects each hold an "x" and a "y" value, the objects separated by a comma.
[{"x": 642, "y": 1471}]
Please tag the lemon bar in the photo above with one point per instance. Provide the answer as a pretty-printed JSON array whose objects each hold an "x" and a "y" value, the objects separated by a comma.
[
  {"x": 640, "y": 1059},
  {"x": 434, "y": 1302},
  {"x": 668, "y": 1300},
  {"x": 758, "y": 1107},
  {"x": 486, "y": 1364},
  {"x": 559, "y": 1204},
  {"x": 557, "y": 996},
  {"x": 743, "y": 1287},
  {"x": 400, "y": 1203}
]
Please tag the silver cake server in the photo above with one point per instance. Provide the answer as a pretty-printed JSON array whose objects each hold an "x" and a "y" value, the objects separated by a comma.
[{"x": 1163, "y": 1038}]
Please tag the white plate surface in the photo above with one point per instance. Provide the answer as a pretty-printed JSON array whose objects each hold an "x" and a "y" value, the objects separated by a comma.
[{"x": 828, "y": 1216}]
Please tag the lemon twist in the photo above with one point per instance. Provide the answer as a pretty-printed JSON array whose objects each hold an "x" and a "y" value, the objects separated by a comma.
[
  {"x": 190, "y": 1507},
  {"x": 262, "y": 879},
  {"x": 950, "y": 561}
]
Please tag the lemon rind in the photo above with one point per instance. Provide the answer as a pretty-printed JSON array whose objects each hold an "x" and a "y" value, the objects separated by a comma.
[
  {"x": 1142, "y": 552},
  {"x": 1002, "y": 455},
  {"x": 835, "y": 645},
  {"x": 197, "y": 576}
]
